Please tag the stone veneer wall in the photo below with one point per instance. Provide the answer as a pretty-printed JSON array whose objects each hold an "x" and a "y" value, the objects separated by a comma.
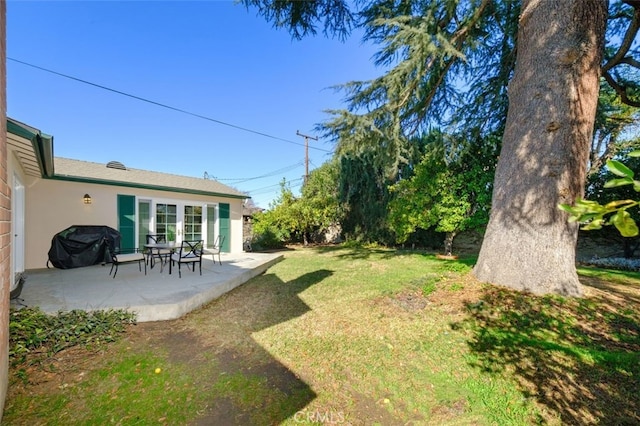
[{"x": 5, "y": 216}]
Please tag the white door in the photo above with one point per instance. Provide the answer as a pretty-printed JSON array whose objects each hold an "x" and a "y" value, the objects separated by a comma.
[{"x": 17, "y": 228}]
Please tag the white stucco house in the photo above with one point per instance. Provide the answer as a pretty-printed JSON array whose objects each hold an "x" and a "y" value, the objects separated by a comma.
[{"x": 51, "y": 194}]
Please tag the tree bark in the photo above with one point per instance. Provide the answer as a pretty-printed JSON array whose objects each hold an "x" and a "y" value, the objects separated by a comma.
[
  {"x": 529, "y": 245},
  {"x": 448, "y": 243}
]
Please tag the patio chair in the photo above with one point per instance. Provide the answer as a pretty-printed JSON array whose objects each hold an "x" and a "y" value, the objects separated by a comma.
[
  {"x": 152, "y": 253},
  {"x": 120, "y": 256},
  {"x": 215, "y": 249},
  {"x": 190, "y": 253}
]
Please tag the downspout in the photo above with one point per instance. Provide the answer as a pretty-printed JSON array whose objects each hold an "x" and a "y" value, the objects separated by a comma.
[{"x": 43, "y": 148}]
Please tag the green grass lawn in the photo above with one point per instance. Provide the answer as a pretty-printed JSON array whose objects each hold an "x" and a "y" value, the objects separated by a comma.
[{"x": 358, "y": 336}]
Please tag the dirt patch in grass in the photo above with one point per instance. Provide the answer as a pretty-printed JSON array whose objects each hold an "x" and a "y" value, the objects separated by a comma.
[
  {"x": 450, "y": 295},
  {"x": 64, "y": 369},
  {"x": 410, "y": 301},
  {"x": 370, "y": 411},
  {"x": 451, "y": 410}
]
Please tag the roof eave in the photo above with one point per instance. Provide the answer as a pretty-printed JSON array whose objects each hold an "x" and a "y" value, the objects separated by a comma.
[
  {"x": 42, "y": 145},
  {"x": 145, "y": 186}
]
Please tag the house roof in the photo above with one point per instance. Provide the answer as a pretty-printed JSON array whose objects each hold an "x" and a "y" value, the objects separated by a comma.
[
  {"x": 35, "y": 153},
  {"x": 249, "y": 211},
  {"x": 85, "y": 171}
]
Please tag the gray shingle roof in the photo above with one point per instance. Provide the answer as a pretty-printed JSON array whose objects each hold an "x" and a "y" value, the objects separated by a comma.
[{"x": 69, "y": 169}]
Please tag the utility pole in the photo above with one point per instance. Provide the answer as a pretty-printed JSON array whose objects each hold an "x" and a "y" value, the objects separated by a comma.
[{"x": 306, "y": 153}]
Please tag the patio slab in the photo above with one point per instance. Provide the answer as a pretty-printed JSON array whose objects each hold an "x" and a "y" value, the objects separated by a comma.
[{"x": 156, "y": 296}]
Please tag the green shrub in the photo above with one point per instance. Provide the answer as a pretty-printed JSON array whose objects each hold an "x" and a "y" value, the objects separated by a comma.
[
  {"x": 34, "y": 334},
  {"x": 268, "y": 238}
]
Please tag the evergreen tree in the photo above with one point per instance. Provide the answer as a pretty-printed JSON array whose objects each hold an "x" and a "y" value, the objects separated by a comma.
[{"x": 364, "y": 193}]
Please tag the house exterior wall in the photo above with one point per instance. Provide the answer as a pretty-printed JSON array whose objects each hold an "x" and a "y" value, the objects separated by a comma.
[
  {"x": 53, "y": 205},
  {"x": 5, "y": 216}
]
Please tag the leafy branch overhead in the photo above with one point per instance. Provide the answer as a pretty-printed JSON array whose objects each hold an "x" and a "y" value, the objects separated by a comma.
[{"x": 594, "y": 215}]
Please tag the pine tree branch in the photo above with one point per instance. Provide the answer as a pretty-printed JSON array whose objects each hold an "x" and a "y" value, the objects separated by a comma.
[
  {"x": 627, "y": 41},
  {"x": 630, "y": 61},
  {"x": 633, "y": 3},
  {"x": 620, "y": 90},
  {"x": 458, "y": 39}
]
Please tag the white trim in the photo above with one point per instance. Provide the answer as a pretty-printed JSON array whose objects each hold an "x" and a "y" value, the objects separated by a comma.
[{"x": 17, "y": 229}]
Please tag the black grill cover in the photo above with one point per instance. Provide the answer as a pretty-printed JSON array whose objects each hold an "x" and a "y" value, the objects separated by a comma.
[{"x": 83, "y": 245}]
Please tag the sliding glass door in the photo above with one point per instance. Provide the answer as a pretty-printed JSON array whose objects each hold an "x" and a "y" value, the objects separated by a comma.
[
  {"x": 167, "y": 221},
  {"x": 192, "y": 223}
]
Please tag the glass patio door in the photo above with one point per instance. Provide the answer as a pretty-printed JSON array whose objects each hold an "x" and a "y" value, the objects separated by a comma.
[
  {"x": 167, "y": 220},
  {"x": 177, "y": 221},
  {"x": 192, "y": 223}
]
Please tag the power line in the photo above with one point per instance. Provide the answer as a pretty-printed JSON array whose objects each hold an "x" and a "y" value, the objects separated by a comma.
[
  {"x": 183, "y": 111},
  {"x": 282, "y": 170},
  {"x": 265, "y": 196},
  {"x": 270, "y": 188}
]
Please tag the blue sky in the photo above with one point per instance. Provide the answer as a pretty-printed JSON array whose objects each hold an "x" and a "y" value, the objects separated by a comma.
[{"x": 215, "y": 59}]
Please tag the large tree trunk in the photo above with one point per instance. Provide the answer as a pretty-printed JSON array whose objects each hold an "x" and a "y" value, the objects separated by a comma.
[{"x": 529, "y": 244}]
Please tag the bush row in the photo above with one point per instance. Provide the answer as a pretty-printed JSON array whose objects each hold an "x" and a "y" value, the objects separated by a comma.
[
  {"x": 619, "y": 263},
  {"x": 32, "y": 332}
]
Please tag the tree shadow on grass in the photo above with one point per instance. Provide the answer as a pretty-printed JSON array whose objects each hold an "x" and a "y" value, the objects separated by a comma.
[
  {"x": 248, "y": 384},
  {"x": 578, "y": 358},
  {"x": 356, "y": 252}
]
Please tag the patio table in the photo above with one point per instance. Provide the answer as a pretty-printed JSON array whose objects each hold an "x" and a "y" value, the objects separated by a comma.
[{"x": 171, "y": 246}]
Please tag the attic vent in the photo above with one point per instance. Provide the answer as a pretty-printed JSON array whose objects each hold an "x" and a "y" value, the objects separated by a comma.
[{"x": 116, "y": 165}]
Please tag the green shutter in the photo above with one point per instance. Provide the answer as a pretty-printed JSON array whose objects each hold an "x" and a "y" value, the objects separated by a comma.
[
  {"x": 127, "y": 221},
  {"x": 224, "y": 226}
]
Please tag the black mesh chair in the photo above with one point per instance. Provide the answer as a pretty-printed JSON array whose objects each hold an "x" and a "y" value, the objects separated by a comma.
[{"x": 190, "y": 253}]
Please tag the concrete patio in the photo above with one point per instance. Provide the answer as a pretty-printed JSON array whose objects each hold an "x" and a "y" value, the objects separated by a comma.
[{"x": 154, "y": 297}]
